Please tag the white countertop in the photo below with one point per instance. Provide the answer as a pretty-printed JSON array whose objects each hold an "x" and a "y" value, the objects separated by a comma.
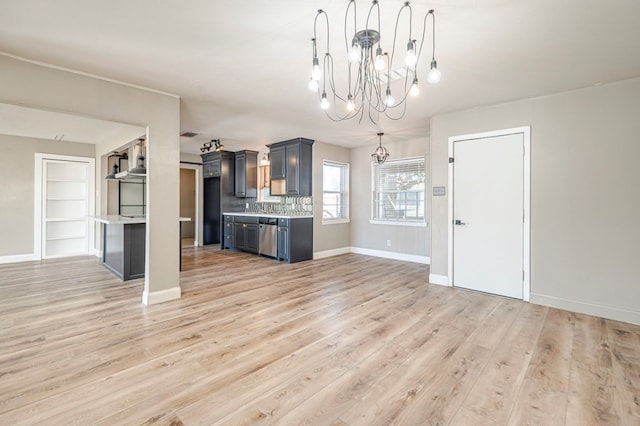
[
  {"x": 274, "y": 215},
  {"x": 114, "y": 219}
]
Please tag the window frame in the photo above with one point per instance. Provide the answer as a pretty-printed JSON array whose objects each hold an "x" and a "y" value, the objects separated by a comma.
[
  {"x": 344, "y": 192},
  {"x": 420, "y": 222}
]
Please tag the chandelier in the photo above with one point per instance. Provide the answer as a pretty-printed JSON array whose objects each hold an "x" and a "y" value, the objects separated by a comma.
[
  {"x": 381, "y": 153},
  {"x": 369, "y": 69}
]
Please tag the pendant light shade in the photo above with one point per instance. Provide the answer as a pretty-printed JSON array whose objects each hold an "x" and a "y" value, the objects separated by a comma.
[{"x": 139, "y": 169}]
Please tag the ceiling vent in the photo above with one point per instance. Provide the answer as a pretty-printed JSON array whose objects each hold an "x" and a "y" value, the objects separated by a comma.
[
  {"x": 188, "y": 134},
  {"x": 397, "y": 73}
]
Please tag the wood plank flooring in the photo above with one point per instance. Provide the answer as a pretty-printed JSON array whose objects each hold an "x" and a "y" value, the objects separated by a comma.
[{"x": 347, "y": 340}]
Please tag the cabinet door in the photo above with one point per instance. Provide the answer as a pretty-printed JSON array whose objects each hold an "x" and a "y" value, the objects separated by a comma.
[
  {"x": 252, "y": 237},
  {"x": 283, "y": 243},
  {"x": 239, "y": 235},
  {"x": 241, "y": 183},
  {"x": 292, "y": 171},
  {"x": 276, "y": 155},
  {"x": 211, "y": 169},
  {"x": 228, "y": 235}
]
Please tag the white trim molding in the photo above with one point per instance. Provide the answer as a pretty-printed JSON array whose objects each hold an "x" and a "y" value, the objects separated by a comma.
[
  {"x": 330, "y": 253},
  {"x": 395, "y": 223},
  {"x": 18, "y": 258},
  {"x": 426, "y": 260},
  {"x": 439, "y": 280},
  {"x": 161, "y": 296},
  {"x": 603, "y": 311}
]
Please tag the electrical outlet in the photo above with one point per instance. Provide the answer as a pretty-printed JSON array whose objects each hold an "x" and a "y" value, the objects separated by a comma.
[{"x": 388, "y": 243}]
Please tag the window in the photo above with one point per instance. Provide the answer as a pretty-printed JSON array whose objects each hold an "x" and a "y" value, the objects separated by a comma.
[
  {"x": 398, "y": 190},
  {"x": 335, "y": 192}
]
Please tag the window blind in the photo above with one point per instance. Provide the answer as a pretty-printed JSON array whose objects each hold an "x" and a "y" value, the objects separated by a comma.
[
  {"x": 398, "y": 190},
  {"x": 335, "y": 197}
]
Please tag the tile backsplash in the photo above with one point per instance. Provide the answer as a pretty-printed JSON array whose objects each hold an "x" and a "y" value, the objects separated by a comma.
[{"x": 293, "y": 206}]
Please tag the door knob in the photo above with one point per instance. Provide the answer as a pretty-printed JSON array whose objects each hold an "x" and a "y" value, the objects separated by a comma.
[{"x": 459, "y": 222}]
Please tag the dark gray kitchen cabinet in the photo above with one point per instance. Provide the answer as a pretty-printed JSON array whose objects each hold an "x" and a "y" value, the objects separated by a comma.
[
  {"x": 228, "y": 234},
  {"x": 276, "y": 156},
  {"x": 245, "y": 233},
  {"x": 295, "y": 239},
  {"x": 292, "y": 167},
  {"x": 218, "y": 171},
  {"x": 246, "y": 174}
]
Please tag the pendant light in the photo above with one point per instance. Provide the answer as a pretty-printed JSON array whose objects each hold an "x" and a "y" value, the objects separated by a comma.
[
  {"x": 381, "y": 153},
  {"x": 139, "y": 169}
]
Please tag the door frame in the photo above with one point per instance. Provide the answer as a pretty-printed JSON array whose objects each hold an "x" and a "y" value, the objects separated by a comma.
[
  {"x": 526, "y": 240},
  {"x": 39, "y": 193},
  {"x": 197, "y": 241}
]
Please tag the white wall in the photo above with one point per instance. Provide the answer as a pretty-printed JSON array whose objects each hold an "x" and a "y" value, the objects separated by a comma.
[
  {"x": 327, "y": 238},
  {"x": 29, "y": 84},
  {"x": 585, "y": 232},
  {"x": 411, "y": 243},
  {"x": 17, "y": 189}
]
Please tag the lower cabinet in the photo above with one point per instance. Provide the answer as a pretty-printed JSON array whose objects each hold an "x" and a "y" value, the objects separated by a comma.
[
  {"x": 295, "y": 239},
  {"x": 241, "y": 232},
  {"x": 295, "y": 236}
]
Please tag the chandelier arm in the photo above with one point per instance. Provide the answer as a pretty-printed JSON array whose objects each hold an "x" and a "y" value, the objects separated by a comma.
[
  {"x": 346, "y": 17},
  {"x": 424, "y": 30},
  {"x": 315, "y": 25},
  {"x": 374, "y": 3},
  {"x": 395, "y": 34}
]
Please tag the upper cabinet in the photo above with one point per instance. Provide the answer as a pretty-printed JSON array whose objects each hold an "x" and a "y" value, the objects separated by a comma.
[
  {"x": 246, "y": 174},
  {"x": 291, "y": 167}
]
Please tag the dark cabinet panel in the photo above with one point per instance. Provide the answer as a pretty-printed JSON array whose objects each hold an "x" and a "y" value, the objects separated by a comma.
[
  {"x": 229, "y": 240},
  {"x": 245, "y": 235},
  {"x": 276, "y": 156},
  {"x": 291, "y": 167},
  {"x": 218, "y": 194},
  {"x": 246, "y": 174},
  {"x": 295, "y": 239},
  {"x": 212, "y": 168}
]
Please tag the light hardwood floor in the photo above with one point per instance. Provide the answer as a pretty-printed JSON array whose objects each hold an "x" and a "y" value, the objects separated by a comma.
[{"x": 351, "y": 339}]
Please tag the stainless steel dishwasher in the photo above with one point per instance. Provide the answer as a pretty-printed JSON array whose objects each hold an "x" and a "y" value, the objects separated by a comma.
[{"x": 268, "y": 236}]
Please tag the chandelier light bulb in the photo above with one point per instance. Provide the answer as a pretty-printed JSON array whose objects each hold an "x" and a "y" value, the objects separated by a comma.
[
  {"x": 411, "y": 59},
  {"x": 313, "y": 85},
  {"x": 315, "y": 70},
  {"x": 415, "y": 90},
  {"x": 350, "y": 104},
  {"x": 434, "y": 75},
  {"x": 379, "y": 62},
  {"x": 324, "y": 103},
  {"x": 354, "y": 53},
  {"x": 390, "y": 100}
]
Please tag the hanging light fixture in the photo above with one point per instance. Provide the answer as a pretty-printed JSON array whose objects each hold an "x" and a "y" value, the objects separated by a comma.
[
  {"x": 369, "y": 72},
  {"x": 115, "y": 167},
  {"x": 381, "y": 153},
  {"x": 139, "y": 169},
  {"x": 218, "y": 144}
]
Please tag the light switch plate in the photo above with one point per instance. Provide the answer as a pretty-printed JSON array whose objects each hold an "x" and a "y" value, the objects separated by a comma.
[{"x": 439, "y": 191}]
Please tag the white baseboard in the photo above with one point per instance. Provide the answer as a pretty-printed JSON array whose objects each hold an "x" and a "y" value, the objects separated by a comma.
[
  {"x": 586, "y": 308},
  {"x": 97, "y": 253},
  {"x": 161, "y": 296},
  {"x": 330, "y": 253},
  {"x": 439, "y": 279},
  {"x": 392, "y": 255},
  {"x": 18, "y": 258}
]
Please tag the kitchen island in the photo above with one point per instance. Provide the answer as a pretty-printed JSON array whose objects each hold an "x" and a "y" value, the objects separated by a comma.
[
  {"x": 123, "y": 244},
  {"x": 288, "y": 238}
]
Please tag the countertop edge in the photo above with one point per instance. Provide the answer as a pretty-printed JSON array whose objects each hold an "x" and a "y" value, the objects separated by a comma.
[
  {"x": 272, "y": 215},
  {"x": 122, "y": 220}
]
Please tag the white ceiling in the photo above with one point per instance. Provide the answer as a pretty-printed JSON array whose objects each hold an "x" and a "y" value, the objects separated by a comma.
[{"x": 241, "y": 68}]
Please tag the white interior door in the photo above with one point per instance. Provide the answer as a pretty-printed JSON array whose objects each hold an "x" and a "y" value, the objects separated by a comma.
[
  {"x": 488, "y": 214},
  {"x": 66, "y": 201}
]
